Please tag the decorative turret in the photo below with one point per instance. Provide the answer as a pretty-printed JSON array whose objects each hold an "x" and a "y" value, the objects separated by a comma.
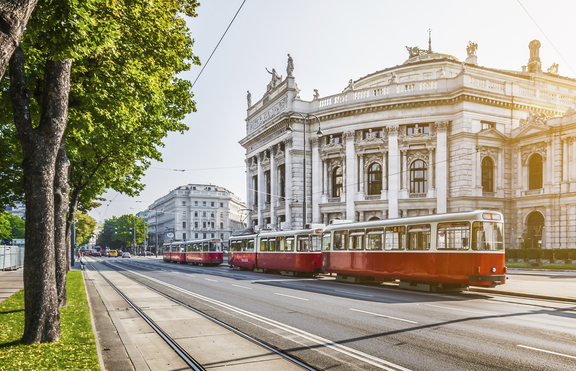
[{"x": 534, "y": 64}]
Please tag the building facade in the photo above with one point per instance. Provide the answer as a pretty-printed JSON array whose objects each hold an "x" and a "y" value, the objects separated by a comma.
[
  {"x": 192, "y": 212},
  {"x": 432, "y": 135}
]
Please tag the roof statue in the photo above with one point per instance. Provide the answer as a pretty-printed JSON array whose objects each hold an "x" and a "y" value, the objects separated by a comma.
[
  {"x": 350, "y": 85},
  {"x": 415, "y": 51},
  {"x": 537, "y": 118},
  {"x": 553, "y": 68},
  {"x": 275, "y": 81},
  {"x": 316, "y": 94},
  {"x": 471, "y": 49},
  {"x": 393, "y": 78},
  {"x": 249, "y": 99},
  {"x": 290, "y": 66}
]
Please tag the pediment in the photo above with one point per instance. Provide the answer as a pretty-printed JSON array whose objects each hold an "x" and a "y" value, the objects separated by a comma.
[
  {"x": 492, "y": 133},
  {"x": 528, "y": 130}
]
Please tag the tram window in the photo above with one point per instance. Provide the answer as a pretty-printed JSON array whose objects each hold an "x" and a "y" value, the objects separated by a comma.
[
  {"x": 206, "y": 247},
  {"x": 453, "y": 236},
  {"x": 280, "y": 244},
  {"x": 303, "y": 243},
  {"x": 374, "y": 239},
  {"x": 356, "y": 240},
  {"x": 316, "y": 243},
  {"x": 215, "y": 246},
  {"x": 251, "y": 245},
  {"x": 394, "y": 239},
  {"x": 263, "y": 244},
  {"x": 272, "y": 244},
  {"x": 340, "y": 240},
  {"x": 487, "y": 236},
  {"x": 419, "y": 237},
  {"x": 326, "y": 241},
  {"x": 289, "y": 243},
  {"x": 188, "y": 247}
]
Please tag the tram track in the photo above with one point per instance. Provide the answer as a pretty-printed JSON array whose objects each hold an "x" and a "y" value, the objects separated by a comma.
[{"x": 174, "y": 344}]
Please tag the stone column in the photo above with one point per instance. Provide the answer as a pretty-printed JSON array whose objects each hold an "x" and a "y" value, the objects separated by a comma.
[
  {"x": 478, "y": 190},
  {"x": 404, "y": 174},
  {"x": 350, "y": 175},
  {"x": 430, "y": 173},
  {"x": 519, "y": 169},
  {"x": 288, "y": 185},
  {"x": 249, "y": 192},
  {"x": 361, "y": 181},
  {"x": 316, "y": 179},
  {"x": 565, "y": 173},
  {"x": 261, "y": 190},
  {"x": 442, "y": 167},
  {"x": 393, "y": 172},
  {"x": 273, "y": 187},
  {"x": 549, "y": 172},
  {"x": 384, "y": 193},
  {"x": 325, "y": 178},
  {"x": 360, "y": 216},
  {"x": 500, "y": 184}
]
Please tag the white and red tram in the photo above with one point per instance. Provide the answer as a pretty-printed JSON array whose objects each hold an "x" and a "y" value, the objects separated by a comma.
[
  {"x": 289, "y": 252},
  {"x": 441, "y": 251},
  {"x": 200, "y": 252}
]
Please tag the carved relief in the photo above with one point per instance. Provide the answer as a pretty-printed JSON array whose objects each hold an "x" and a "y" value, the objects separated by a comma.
[
  {"x": 393, "y": 130},
  {"x": 529, "y": 150},
  {"x": 266, "y": 116},
  {"x": 287, "y": 143},
  {"x": 488, "y": 151},
  {"x": 349, "y": 135},
  {"x": 420, "y": 154},
  {"x": 442, "y": 126},
  {"x": 369, "y": 160},
  {"x": 334, "y": 163},
  {"x": 314, "y": 141},
  {"x": 534, "y": 118}
]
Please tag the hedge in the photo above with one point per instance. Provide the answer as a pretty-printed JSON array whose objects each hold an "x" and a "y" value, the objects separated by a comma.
[{"x": 548, "y": 254}]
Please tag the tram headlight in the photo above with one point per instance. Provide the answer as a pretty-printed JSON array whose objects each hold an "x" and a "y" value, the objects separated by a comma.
[{"x": 493, "y": 270}]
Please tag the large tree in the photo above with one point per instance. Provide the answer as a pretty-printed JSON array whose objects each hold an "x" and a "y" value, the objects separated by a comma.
[
  {"x": 14, "y": 15},
  {"x": 84, "y": 228},
  {"x": 124, "y": 98}
]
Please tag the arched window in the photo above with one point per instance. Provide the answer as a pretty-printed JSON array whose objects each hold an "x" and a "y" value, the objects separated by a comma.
[
  {"x": 418, "y": 175},
  {"x": 535, "y": 225},
  {"x": 487, "y": 175},
  {"x": 337, "y": 179},
  {"x": 374, "y": 179},
  {"x": 535, "y": 171}
]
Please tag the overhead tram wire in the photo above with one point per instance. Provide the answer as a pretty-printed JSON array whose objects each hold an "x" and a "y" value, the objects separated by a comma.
[
  {"x": 550, "y": 41},
  {"x": 210, "y": 57}
]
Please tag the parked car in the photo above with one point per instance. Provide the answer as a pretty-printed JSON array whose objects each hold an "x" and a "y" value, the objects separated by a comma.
[
  {"x": 126, "y": 255},
  {"x": 113, "y": 253},
  {"x": 149, "y": 253}
]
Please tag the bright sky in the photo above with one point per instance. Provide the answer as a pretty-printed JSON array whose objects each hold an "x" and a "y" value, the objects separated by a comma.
[{"x": 331, "y": 42}]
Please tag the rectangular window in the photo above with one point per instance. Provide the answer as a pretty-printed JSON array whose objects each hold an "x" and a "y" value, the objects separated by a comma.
[
  {"x": 221, "y": 204},
  {"x": 289, "y": 243},
  {"x": 195, "y": 214},
  {"x": 316, "y": 242},
  {"x": 195, "y": 235},
  {"x": 184, "y": 236},
  {"x": 221, "y": 236},
  {"x": 374, "y": 239},
  {"x": 326, "y": 242},
  {"x": 195, "y": 224},
  {"x": 221, "y": 225},
  {"x": 356, "y": 240},
  {"x": 419, "y": 237},
  {"x": 203, "y": 235},
  {"x": 374, "y": 133},
  {"x": 203, "y": 224},
  {"x": 271, "y": 244},
  {"x": 263, "y": 244},
  {"x": 487, "y": 236},
  {"x": 195, "y": 203},
  {"x": 267, "y": 195},
  {"x": 212, "y": 224},
  {"x": 395, "y": 238},
  {"x": 340, "y": 240},
  {"x": 211, "y": 235},
  {"x": 183, "y": 224},
  {"x": 203, "y": 203},
  {"x": 221, "y": 215},
  {"x": 183, "y": 203},
  {"x": 453, "y": 236},
  {"x": 282, "y": 181},
  {"x": 204, "y": 214},
  {"x": 211, "y": 215},
  {"x": 303, "y": 243},
  {"x": 334, "y": 139},
  {"x": 212, "y": 203},
  {"x": 488, "y": 125},
  {"x": 417, "y": 129}
]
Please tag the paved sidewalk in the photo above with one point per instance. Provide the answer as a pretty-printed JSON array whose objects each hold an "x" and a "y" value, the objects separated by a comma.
[{"x": 10, "y": 283}]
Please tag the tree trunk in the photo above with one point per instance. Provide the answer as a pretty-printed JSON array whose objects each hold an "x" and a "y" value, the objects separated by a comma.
[
  {"x": 14, "y": 15},
  {"x": 40, "y": 147},
  {"x": 61, "y": 242}
]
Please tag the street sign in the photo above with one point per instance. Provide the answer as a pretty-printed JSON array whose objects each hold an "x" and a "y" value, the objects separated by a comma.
[{"x": 170, "y": 235}]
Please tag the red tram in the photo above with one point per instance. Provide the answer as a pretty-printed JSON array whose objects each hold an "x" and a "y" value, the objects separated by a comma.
[
  {"x": 199, "y": 252},
  {"x": 288, "y": 252},
  {"x": 443, "y": 251}
]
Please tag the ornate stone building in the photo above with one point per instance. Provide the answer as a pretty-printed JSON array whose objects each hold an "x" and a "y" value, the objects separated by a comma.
[{"x": 432, "y": 135}]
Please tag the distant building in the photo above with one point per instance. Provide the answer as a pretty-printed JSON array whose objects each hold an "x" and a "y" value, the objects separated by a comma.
[
  {"x": 19, "y": 209},
  {"x": 192, "y": 212},
  {"x": 430, "y": 135}
]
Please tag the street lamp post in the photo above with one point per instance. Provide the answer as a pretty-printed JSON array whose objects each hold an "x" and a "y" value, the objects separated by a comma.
[{"x": 319, "y": 133}]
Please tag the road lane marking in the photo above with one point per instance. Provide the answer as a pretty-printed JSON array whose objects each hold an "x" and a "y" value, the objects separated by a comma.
[
  {"x": 208, "y": 279},
  {"x": 359, "y": 355},
  {"x": 547, "y": 351},
  {"x": 460, "y": 310},
  {"x": 354, "y": 293},
  {"x": 383, "y": 315},
  {"x": 290, "y": 296},
  {"x": 247, "y": 288}
]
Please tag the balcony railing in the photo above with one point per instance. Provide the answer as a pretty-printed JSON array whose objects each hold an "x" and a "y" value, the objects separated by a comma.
[{"x": 417, "y": 195}]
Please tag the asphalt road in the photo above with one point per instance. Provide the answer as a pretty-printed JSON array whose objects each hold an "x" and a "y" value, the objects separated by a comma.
[{"x": 337, "y": 326}]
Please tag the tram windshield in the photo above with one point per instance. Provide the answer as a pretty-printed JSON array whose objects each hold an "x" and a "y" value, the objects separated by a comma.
[
  {"x": 216, "y": 246},
  {"x": 487, "y": 236}
]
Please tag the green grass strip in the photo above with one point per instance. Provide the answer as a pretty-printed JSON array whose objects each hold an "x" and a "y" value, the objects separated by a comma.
[
  {"x": 76, "y": 349},
  {"x": 541, "y": 266}
]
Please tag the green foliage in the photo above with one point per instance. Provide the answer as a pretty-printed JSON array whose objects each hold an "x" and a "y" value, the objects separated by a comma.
[
  {"x": 5, "y": 230},
  {"x": 76, "y": 350},
  {"x": 561, "y": 254},
  {"x": 119, "y": 232},
  {"x": 18, "y": 226},
  {"x": 11, "y": 183},
  {"x": 84, "y": 228},
  {"x": 572, "y": 254},
  {"x": 521, "y": 254},
  {"x": 533, "y": 253},
  {"x": 511, "y": 253},
  {"x": 546, "y": 254}
]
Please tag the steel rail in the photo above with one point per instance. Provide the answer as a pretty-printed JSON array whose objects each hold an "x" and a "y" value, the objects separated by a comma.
[
  {"x": 187, "y": 358},
  {"x": 226, "y": 326}
]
